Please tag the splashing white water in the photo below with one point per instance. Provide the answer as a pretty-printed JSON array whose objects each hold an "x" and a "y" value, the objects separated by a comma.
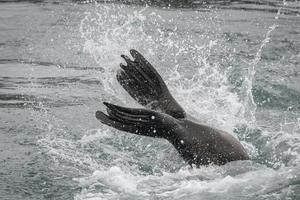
[
  {"x": 109, "y": 31},
  {"x": 250, "y": 107},
  {"x": 197, "y": 83}
]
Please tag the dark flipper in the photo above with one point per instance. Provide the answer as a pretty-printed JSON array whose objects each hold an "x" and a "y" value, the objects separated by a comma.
[
  {"x": 145, "y": 85},
  {"x": 138, "y": 121}
]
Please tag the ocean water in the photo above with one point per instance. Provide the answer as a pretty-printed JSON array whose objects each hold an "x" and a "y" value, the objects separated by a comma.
[{"x": 232, "y": 65}]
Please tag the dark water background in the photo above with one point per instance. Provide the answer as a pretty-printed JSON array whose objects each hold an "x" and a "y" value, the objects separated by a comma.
[{"x": 231, "y": 64}]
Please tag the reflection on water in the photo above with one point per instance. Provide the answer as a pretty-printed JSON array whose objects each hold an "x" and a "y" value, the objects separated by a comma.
[{"x": 231, "y": 64}]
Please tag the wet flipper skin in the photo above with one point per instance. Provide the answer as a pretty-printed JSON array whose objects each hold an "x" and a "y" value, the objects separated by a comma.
[
  {"x": 137, "y": 121},
  {"x": 145, "y": 85}
]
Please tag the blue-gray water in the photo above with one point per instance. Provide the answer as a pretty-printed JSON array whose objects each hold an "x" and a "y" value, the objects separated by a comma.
[{"x": 234, "y": 66}]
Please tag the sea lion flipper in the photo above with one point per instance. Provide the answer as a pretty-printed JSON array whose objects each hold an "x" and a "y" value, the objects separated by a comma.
[
  {"x": 140, "y": 79},
  {"x": 137, "y": 121}
]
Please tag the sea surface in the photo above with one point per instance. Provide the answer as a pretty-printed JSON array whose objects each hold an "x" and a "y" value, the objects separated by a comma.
[{"x": 234, "y": 65}]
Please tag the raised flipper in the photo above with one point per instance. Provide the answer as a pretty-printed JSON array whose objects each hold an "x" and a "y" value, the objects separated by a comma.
[
  {"x": 145, "y": 85},
  {"x": 138, "y": 121}
]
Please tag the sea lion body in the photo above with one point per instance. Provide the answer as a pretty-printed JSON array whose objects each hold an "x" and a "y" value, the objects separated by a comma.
[
  {"x": 164, "y": 118},
  {"x": 202, "y": 145}
]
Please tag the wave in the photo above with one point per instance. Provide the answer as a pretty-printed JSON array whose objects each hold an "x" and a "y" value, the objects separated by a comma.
[
  {"x": 247, "y": 5},
  {"x": 47, "y": 64},
  {"x": 272, "y": 6}
]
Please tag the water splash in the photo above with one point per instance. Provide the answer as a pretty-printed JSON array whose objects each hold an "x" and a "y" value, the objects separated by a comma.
[
  {"x": 109, "y": 31},
  {"x": 250, "y": 105},
  {"x": 184, "y": 56}
]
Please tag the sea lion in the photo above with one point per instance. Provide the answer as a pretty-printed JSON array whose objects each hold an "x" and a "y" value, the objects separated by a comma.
[{"x": 164, "y": 118}]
